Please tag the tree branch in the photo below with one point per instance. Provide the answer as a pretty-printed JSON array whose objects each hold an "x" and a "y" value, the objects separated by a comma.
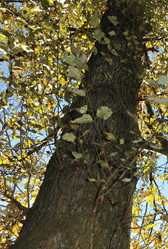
[
  {"x": 163, "y": 149},
  {"x": 17, "y": 203}
]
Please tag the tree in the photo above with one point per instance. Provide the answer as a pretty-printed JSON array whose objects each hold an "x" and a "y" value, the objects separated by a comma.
[{"x": 96, "y": 59}]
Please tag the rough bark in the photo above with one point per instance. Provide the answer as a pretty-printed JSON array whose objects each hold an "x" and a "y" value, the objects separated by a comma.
[{"x": 70, "y": 211}]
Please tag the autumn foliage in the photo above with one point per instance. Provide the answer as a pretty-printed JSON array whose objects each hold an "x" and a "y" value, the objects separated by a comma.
[{"x": 44, "y": 50}]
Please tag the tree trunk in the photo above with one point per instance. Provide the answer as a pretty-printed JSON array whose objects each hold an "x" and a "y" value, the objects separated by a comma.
[{"x": 86, "y": 203}]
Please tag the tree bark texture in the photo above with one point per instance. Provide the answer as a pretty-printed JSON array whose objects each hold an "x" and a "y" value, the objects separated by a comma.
[{"x": 72, "y": 210}]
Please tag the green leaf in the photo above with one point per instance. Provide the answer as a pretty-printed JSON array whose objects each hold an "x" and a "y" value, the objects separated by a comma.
[
  {"x": 86, "y": 118},
  {"x": 74, "y": 50},
  {"x": 163, "y": 80},
  {"x": 99, "y": 34},
  {"x": 106, "y": 40},
  {"x": 125, "y": 33},
  {"x": 104, "y": 112},
  {"x": 79, "y": 92},
  {"x": 113, "y": 51},
  {"x": 75, "y": 73},
  {"x": 81, "y": 62},
  {"x": 162, "y": 101},
  {"x": 77, "y": 155},
  {"x": 110, "y": 136},
  {"x": 113, "y": 20},
  {"x": 112, "y": 33},
  {"x": 95, "y": 20},
  {"x": 83, "y": 109},
  {"x": 70, "y": 59},
  {"x": 113, "y": 154},
  {"x": 92, "y": 180},
  {"x": 69, "y": 137}
]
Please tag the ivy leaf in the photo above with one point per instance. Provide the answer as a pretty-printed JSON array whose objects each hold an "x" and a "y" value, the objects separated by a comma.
[
  {"x": 112, "y": 33},
  {"x": 70, "y": 59},
  {"x": 162, "y": 101},
  {"x": 74, "y": 50},
  {"x": 113, "y": 154},
  {"x": 86, "y": 118},
  {"x": 81, "y": 62},
  {"x": 113, "y": 51},
  {"x": 99, "y": 34},
  {"x": 76, "y": 91},
  {"x": 113, "y": 20},
  {"x": 83, "y": 109},
  {"x": 77, "y": 155},
  {"x": 163, "y": 80},
  {"x": 104, "y": 112},
  {"x": 75, "y": 73},
  {"x": 94, "y": 21},
  {"x": 110, "y": 136},
  {"x": 69, "y": 137},
  {"x": 106, "y": 40}
]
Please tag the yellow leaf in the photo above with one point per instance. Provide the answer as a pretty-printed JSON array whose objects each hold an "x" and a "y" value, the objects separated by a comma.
[
  {"x": 151, "y": 225},
  {"x": 150, "y": 199},
  {"x": 122, "y": 141}
]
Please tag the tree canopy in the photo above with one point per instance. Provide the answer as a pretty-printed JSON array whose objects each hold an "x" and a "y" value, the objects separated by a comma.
[{"x": 45, "y": 47}]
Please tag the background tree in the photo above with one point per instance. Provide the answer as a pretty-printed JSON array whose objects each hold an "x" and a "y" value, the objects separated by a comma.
[{"x": 77, "y": 73}]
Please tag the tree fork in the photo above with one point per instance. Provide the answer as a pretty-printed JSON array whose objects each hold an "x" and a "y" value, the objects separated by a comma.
[{"x": 87, "y": 203}]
